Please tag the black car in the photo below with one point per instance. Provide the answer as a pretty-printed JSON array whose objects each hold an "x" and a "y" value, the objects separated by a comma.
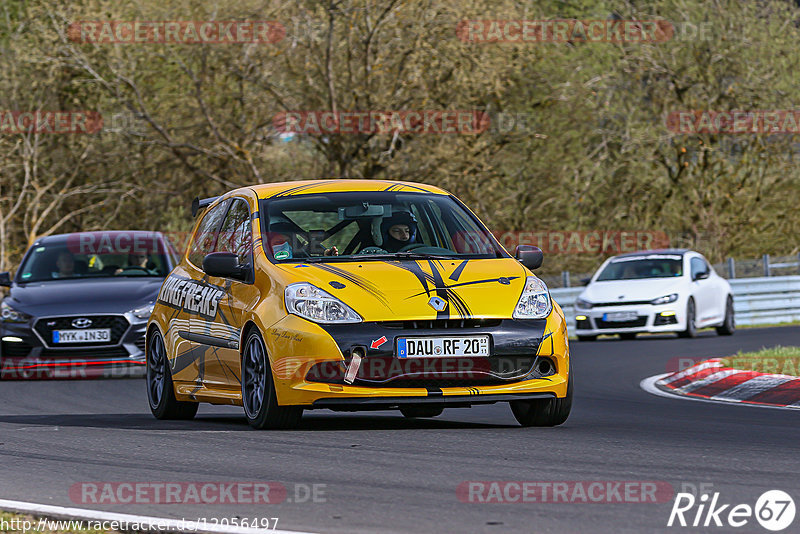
[{"x": 79, "y": 304}]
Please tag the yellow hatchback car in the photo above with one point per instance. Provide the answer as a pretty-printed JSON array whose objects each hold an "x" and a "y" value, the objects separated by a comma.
[{"x": 353, "y": 295}]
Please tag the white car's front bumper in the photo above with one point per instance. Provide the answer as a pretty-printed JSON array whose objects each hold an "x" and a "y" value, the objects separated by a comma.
[{"x": 641, "y": 318}]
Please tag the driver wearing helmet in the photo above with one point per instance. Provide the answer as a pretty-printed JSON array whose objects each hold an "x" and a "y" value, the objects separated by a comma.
[{"x": 399, "y": 231}]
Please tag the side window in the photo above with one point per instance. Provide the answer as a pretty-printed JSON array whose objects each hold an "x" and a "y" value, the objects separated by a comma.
[
  {"x": 698, "y": 266},
  {"x": 206, "y": 236},
  {"x": 236, "y": 232}
]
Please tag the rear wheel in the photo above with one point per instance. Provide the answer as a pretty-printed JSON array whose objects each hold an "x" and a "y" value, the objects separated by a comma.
[
  {"x": 691, "y": 325},
  {"x": 628, "y": 335},
  {"x": 258, "y": 390},
  {"x": 587, "y": 338},
  {"x": 544, "y": 412},
  {"x": 728, "y": 326},
  {"x": 160, "y": 389},
  {"x": 421, "y": 411}
]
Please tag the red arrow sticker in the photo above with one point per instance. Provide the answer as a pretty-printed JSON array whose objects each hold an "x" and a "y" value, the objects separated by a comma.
[{"x": 378, "y": 342}]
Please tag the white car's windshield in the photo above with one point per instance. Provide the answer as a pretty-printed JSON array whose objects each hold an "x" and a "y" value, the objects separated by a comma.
[
  {"x": 373, "y": 225},
  {"x": 639, "y": 267}
]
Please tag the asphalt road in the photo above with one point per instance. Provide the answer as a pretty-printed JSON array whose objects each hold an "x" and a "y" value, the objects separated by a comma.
[{"x": 383, "y": 473}]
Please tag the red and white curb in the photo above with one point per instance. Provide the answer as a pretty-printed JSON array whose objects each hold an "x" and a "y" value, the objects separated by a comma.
[
  {"x": 144, "y": 523},
  {"x": 712, "y": 381}
]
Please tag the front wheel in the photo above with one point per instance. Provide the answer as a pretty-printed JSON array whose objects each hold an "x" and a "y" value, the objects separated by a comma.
[
  {"x": 691, "y": 325},
  {"x": 728, "y": 326},
  {"x": 160, "y": 389},
  {"x": 258, "y": 390},
  {"x": 544, "y": 412}
]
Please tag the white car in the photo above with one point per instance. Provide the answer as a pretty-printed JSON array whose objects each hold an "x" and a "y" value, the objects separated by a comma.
[{"x": 671, "y": 290}]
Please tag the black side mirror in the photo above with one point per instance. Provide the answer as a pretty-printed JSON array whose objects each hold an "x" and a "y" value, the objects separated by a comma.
[
  {"x": 701, "y": 276},
  {"x": 529, "y": 256},
  {"x": 5, "y": 279},
  {"x": 585, "y": 281},
  {"x": 224, "y": 265}
]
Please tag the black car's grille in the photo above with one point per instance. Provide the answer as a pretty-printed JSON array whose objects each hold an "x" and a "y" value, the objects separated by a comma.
[
  {"x": 140, "y": 343},
  {"x": 117, "y": 323},
  {"x": 662, "y": 320},
  {"x": 441, "y": 323},
  {"x": 16, "y": 350},
  {"x": 85, "y": 354},
  {"x": 639, "y": 321}
]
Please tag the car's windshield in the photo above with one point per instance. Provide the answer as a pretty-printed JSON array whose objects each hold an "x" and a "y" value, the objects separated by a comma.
[
  {"x": 61, "y": 261},
  {"x": 645, "y": 266},
  {"x": 372, "y": 225}
]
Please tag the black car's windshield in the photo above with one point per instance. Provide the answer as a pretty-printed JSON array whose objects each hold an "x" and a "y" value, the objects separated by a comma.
[
  {"x": 645, "y": 266},
  {"x": 372, "y": 225},
  {"x": 60, "y": 261}
]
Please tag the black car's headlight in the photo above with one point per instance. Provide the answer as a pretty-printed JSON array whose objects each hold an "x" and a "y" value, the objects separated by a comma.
[
  {"x": 11, "y": 315},
  {"x": 535, "y": 300},
  {"x": 312, "y": 303},
  {"x": 143, "y": 312},
  {"x": 666, "y": 299},
  {"x": 583, "y": 304}
]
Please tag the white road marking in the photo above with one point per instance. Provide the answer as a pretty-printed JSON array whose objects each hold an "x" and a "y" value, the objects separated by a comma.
[{"x": 160, "y": 523}]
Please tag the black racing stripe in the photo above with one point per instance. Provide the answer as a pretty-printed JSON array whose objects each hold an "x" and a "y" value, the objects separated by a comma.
[
  {"x": 467, "y": 284},
  {"x": 361, "y": 282},
  {"x": 414, "y": 268},
  {"x": 441, "y": 292},
  {"x": 457, "y": 273},
  {"x": 185, "y": 359},
  {"x": 295, "y": 189}
]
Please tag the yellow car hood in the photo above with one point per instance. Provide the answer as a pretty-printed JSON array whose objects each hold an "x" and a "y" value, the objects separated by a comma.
[{"x": 402, "y": 290}]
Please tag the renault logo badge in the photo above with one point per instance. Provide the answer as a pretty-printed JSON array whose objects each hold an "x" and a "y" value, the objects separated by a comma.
[
  {"x": 437, "y": 304},
  {"x": 83, "y": 322}
]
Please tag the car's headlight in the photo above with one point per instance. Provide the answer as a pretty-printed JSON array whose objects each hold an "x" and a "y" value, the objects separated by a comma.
[
  {"x": 666, "y": 299},
  {"x": 314, "y": 304},
  {"x": 143, "y": 312},
  {"x": 583, "y": 304},
  {"x": 535, "y": 300},
  {"x": 10, "y": 315}
]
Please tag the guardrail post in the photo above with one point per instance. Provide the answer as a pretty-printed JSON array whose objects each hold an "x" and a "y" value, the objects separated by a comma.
[
  {"x": 565, "y": 278},
  {"x": 765, "y": 259},
  {"x": 732, "y": 268}
]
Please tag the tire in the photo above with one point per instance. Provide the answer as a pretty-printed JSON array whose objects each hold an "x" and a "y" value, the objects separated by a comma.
[
  {"x": 160, "y": 389},
  {"x": 421, "y": 411},
  {"x": 628, "y": 335},
  {"x": 728, "y": 326},
  {"x": 544, "y": 412},
  {"x": 587, "y": 338},
  {"x": 691, "y": 327},
  {"x": 258, "y": 390}
]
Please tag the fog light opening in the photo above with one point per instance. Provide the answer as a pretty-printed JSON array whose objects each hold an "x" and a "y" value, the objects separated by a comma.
[{"x": 544, "y": 367}]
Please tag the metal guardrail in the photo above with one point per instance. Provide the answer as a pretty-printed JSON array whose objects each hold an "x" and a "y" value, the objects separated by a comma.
[{"x": 771, "y": 300}]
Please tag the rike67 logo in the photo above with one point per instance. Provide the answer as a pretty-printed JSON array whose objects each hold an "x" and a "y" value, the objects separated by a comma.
[{"x": 774, "y": 510}]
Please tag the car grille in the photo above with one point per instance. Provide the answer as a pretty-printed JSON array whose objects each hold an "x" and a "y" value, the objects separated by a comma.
[
  {"x": 627, "y": 303},
  {"x": 117, "y": 323},
  {"x": 141, "y": 343},
  {"x": 639, "y": 321}
]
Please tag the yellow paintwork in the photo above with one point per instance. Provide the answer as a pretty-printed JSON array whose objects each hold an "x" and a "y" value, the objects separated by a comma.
[{"x": 378, "y": 291}]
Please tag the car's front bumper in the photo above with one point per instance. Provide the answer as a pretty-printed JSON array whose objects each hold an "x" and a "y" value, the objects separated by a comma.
[
  {"x": 298, "y": 348},
  {"x": 648, "y": 319},
  {"x": 25, "y": 354}
]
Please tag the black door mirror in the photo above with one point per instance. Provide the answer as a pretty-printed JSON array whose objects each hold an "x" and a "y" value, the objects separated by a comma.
[
  {"x": 701, "y": 275},
  {"x": 529, "y": 256},
  {"x": 224, "y": 265},
  {"x": 585, "y": 281},
  {"x": 5, "y": 279}
]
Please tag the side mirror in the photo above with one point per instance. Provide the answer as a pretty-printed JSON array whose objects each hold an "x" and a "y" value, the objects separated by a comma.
[
  {"x": 701, "y": 276},
  {"x": 224, "y": 265},
  {"x": 5, "y": 279},
  {"x": 529, "y": 256},
  {"x": 585, "y": 281}
]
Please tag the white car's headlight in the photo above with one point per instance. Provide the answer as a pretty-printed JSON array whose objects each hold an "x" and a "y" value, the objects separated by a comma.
[
  {"x": 312, "y": 303},
  {"x": 535, "y": 300},
  {"x": 143, "y": 312},
  {"x": 666, "y": 299},
  {"x": 10, "y": 315}
]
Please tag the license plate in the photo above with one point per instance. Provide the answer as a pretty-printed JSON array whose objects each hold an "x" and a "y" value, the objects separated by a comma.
[
  {"x": 618, "y": 317},
  {"x": 442, "y": 347},
  {"x": 94, "y": 335}
]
